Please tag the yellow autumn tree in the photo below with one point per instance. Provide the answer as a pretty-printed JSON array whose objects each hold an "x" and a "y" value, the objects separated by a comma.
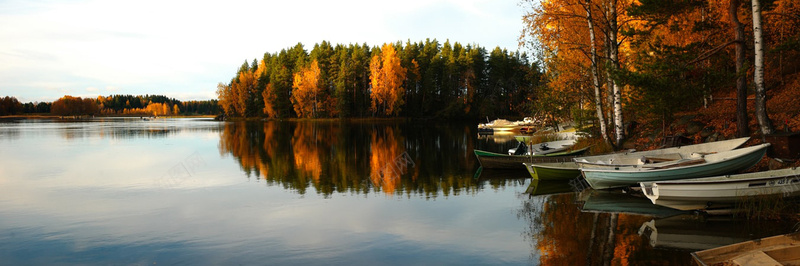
[
  {"x": 306, "y": 96},
  {"x": 224, "y": 95},
  {"x": 242, "y": 90},
  {"x": 386, "y": 78},
  {"x": 269, "y": 97}
]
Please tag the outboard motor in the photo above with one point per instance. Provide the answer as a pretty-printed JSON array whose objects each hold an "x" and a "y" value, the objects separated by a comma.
[{"x": 522, "y": 149}]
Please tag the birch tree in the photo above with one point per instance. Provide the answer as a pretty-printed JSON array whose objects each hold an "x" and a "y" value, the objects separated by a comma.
[
  {"x": 612, "y": 50},
  {"x": 764, "y": 123},
  {"x": 598, "y": 99}
]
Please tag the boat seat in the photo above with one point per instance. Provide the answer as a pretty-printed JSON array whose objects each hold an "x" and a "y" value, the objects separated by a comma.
[
  {"x": 675, "y": 163},
  {"x": 755, "y": 258},
  {"x": 700, "y": 154}
]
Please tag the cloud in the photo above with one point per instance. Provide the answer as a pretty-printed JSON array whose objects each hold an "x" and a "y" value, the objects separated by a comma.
[
  {"x": 138, "y": 49},
  {"x": 92, "y": 89}
]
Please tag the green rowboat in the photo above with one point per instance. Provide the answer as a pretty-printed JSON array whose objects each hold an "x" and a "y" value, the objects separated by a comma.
[
  {"x": 720, "y": 163},
  {"x": 491, "y": 160},
  {"x": 553, "y": 171}
]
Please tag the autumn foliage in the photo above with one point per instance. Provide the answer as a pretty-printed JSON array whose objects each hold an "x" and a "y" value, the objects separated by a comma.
[
  {"x": 10, "y": 106},
  {"x": 307, "y": 93},
  {"x": 673, "y": 56},
  {"x": 414, "y": 79},
  {"x": 386, "y": 78},
  {"x": 74, "y": 106}
]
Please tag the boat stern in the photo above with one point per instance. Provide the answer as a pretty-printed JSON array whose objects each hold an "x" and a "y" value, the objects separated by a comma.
[{"x": 650, "y": 190}]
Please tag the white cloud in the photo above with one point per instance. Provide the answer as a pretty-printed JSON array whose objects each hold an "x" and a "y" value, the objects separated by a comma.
[{"x": 186, "y": 47}]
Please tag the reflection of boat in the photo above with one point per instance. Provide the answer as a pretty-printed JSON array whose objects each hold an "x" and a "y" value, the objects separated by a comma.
[
  {"x": 616, "y": 202},
  {"x": 634, "y": 158},
  {"x": 776, "y": 250},
  {"x": 539, "y": 187},
  {"x": 542, "y": 148},
  {"x": 683, "y": 232},
  {"x": 689, "y": 166},
  {"x": 493, "y": 160},
  {"x": 700, "y": 193},
  {"x": 553, "y": 171},
  {"x": 482, "y": 173}
]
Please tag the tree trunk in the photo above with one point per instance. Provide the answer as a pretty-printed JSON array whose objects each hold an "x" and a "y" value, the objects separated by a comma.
[
  {"x": 741, "y": 82},
  {"x": 613, "y": 57},
  {"x": 595, "y": 79},
  {"x": 591, "y": 240},
  {"x": 612, "y": 226},
  {"x": 764, "y": 123},
  {"x": 609, "y": 87}
]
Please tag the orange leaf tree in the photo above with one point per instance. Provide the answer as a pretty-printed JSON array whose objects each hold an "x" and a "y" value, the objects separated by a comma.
[
  {"x": 306, "y": 90},
  {"x": 386, "y": 78}
]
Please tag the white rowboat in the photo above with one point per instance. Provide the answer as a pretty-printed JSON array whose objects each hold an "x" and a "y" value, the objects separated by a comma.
[{"x": 700, "y": 193}]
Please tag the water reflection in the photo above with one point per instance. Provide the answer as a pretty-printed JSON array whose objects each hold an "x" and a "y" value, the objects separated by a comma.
[
  {"x": 562, "y": 234},
  {"x": 392, "y": 158},
  {"x": 106, "y": 127},
  {"x": 696, "y": 232},
  {"x": 499, "y": 178}
]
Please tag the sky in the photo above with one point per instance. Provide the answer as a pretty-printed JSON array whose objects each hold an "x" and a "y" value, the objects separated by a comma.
[{"x": 183, "y": 49}]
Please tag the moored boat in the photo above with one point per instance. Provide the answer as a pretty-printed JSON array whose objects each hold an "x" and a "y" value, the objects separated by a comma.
[
  {"x": 776, "y": 250},
  {"x": 542, "y": 148},
  {"x": 701, "y": 193},
  {"x": 634, "y": 158},
  {"x": 553, "y": 171},
  {"x": 692, "y": 165},
  {"x": 491, "y": 160}
]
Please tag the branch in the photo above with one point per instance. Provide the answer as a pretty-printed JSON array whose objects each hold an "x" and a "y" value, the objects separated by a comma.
[
  {"x": 710, "y": 52},
  {"x": 792, "y": 16}
]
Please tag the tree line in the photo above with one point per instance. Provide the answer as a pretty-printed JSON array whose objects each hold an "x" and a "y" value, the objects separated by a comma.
[
  {"x": 411, "y": 79},
  {"x": 651, "y": 59},
  {"x": 143, "y": 105}
]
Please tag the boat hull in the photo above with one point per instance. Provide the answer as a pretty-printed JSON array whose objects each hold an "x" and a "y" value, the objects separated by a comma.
[
  {"x": 626, "y": 159},
  {"x": 602, "y": 178},
  {"x": 720, "y": 191},
  {"x": 553, "y": 171},
  {"x": 491, "y": 160},
  {"x": 776, "y": 250}
]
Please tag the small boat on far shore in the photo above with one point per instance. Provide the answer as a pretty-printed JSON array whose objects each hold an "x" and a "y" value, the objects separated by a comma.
[{"x": 527, "y": 125}]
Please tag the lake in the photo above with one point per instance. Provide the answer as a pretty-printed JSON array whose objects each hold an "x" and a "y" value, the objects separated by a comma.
[{"x": 200, "y": 192}]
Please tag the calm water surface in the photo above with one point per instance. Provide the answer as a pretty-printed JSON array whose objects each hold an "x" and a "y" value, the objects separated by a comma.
[{"x": 193, "y": 191}]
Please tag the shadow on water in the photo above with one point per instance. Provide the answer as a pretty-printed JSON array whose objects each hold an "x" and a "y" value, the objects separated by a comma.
[
  {"x": 612, "y": 228},
  {"x": 358, "y": 157}
]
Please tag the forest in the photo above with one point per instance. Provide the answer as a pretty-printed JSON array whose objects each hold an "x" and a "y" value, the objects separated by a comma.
[
  {"x": 650, "y": 60},
  {"x": 610, "y": 63},
  {"x": 412, "y": 79},
  {"x": 112, "y": 105}
]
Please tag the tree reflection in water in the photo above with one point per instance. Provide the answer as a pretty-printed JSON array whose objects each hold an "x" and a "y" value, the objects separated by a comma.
[
  {"x": 361, "y": 157},
  {"x": 561, "y": 234}
]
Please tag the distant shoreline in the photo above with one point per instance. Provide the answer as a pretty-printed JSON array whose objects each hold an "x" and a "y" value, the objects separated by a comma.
[{"x": 50, "y": 116}]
